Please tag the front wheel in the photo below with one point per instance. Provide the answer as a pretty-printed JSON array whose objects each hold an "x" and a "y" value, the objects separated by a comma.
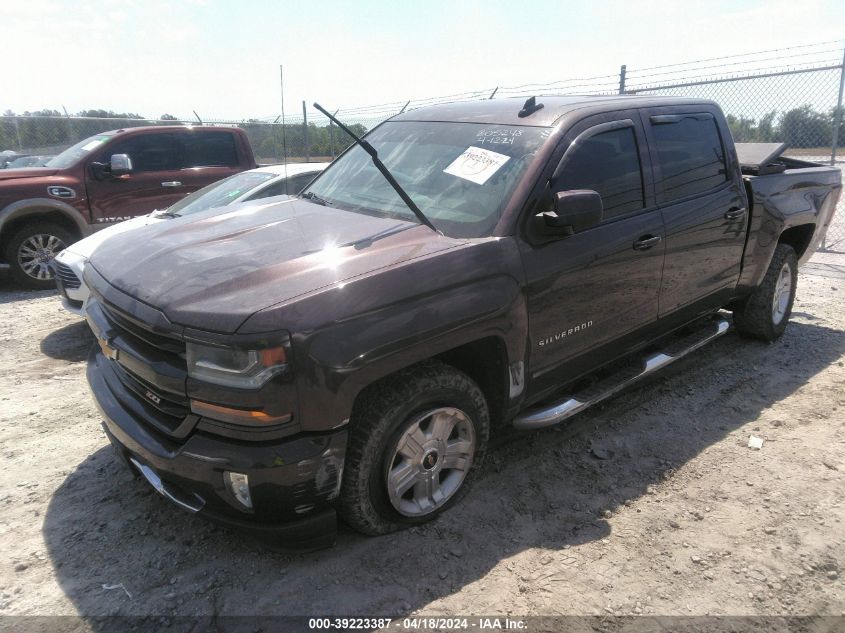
[
  {"x": 765, "y": 314},
  {"x": 416, "y": 441},
  {"x": 31, "y": 249}
]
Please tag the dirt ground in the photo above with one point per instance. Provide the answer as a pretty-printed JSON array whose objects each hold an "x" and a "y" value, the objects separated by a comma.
[{"x": 677, "y": 516}]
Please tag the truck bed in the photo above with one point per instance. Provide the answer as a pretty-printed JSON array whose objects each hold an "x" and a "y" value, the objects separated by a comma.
[{"x": 787, "y": 193}]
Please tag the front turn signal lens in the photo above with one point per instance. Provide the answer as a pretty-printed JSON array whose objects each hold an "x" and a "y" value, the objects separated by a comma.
[{"x": 246, "y": 417}]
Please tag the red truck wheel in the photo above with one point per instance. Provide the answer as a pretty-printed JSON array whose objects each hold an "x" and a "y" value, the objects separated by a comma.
[{"x": 31, "y": 249}]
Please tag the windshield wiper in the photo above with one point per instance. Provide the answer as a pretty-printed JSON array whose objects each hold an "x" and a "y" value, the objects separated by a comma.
[
  {"x": 313, "y": 197},
  {"x": 382, "y": 168},
  {"x": 167, "y": 214}
]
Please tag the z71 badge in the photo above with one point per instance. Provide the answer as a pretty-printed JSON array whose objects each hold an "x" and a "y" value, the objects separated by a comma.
[{"x": 564, "y": 333}]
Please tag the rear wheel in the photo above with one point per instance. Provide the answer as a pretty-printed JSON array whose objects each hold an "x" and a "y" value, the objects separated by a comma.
[
  {"x": 417, "y": 440},
  {"x": 765, "y": 314},
  {"x": 31, "y": 249}
]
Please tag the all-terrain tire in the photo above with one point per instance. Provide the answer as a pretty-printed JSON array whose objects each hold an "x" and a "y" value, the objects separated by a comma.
[
  {"x": 381, "y": 417},
  {"x": 757, "y": 316},
  {"x": 31, "y": 270}
]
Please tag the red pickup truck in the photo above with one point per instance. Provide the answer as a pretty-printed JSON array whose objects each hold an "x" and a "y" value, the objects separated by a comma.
[{"x": 107, "y": 178}]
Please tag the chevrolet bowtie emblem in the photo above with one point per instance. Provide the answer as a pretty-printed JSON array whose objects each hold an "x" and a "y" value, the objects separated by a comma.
[{"x": 108, "y": 350}]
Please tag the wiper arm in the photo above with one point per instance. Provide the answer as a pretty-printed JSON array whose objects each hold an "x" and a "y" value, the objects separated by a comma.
[
  {"x": 313, "y": 197},
  {"x": 167, "y": 214},
  {"x": 382, "y": 168}
]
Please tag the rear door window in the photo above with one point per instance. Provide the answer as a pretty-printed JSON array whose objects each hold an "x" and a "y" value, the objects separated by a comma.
[
  {"x": 149, "y": 152},
  {"x": 608, "y": 163},
  {"x": 209, "y": 149},
  {"x": 689, "y": 153}
]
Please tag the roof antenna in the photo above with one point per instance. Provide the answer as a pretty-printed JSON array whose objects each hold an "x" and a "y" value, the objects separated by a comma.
[{"x": 530, "y": 107}]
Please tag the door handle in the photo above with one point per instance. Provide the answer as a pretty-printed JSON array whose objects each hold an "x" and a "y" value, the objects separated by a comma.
[
  {"x": 171, "y": 183},
  {"x": 646, "y": 242},
  {"x": 735, "y": 213}
]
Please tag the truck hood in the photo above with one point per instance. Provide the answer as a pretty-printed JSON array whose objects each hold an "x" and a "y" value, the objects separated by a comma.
[
  {"x": 29, "y": 172},
  {"x": 213, "y": 272}
]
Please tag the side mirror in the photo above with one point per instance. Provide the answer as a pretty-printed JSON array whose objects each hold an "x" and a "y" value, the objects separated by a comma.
[
  {"x": 574, "y": 211},
  {"x": 120, "y": 165}
]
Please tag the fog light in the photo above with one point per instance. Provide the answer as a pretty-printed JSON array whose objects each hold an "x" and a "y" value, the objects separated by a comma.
[{"x": 238, "y": 485}]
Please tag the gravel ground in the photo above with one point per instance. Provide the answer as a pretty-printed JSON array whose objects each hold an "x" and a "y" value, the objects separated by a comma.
[{"x": 650, "y": 504}]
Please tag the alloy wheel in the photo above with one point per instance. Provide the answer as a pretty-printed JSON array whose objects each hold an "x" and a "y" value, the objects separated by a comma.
[
  {"x": 783, "y": 291},
  {"x": 36, "y": 252},
  {"x": 430, "y": 461}
]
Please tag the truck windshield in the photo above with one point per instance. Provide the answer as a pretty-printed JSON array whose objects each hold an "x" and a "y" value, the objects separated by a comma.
[
  {"x": 460, "y": 175},
  {"x": 76, "y": 152},
  {"x": 221, "y": 193}
]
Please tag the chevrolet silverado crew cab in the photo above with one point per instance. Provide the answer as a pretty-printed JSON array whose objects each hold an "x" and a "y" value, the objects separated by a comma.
[
  {"x": 465, "y": 266},
  {"x": 104, "y": 179}
]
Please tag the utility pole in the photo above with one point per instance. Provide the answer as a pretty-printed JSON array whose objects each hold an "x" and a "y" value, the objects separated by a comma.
[
  {"x": 18, "y": 134},
  {"x": 837, "y": 118},
  {"x": 284, "y": 135},
  {"x": 305, "y": 133},
  {"x": 331, "y": 133},
  {"x": 70, "y": 136},
  {"x": 622, "y": 79}
]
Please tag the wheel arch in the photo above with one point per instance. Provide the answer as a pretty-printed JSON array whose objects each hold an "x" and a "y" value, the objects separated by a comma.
[
  {"x": 484, "y": 360},
  {"x": 798, "y": 237},
  {"x": 22, "y": 212}
]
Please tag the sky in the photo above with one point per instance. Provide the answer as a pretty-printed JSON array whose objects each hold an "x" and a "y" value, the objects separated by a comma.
[{"x": 221, "y": 58}]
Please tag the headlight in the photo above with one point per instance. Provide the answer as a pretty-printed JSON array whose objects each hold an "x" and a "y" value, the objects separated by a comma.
[{"x": 246, "y": 369}]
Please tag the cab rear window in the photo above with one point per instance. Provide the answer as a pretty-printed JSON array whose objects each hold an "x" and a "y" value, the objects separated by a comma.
[
  {"x": 689, "y": 153},
  {"x": 209, "y": 149}
]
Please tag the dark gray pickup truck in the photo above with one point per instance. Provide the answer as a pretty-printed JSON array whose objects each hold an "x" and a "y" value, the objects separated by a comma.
[{"x": 350, "y": 351}]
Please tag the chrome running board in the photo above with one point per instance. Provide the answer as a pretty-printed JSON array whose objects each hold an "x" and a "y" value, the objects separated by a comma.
[{"x": 549, "y": 415}]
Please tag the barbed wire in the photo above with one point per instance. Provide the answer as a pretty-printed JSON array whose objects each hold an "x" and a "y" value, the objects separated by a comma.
[
  {"x": 685, "y": 70},
  {"x": 771, "y": 50},
  {"x": 746, "y": 74},
  {"x": 604, "y": 83}
]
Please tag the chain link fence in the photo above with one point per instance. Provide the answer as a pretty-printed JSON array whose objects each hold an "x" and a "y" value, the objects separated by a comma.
[
  {"x": 802, "y": 108},
  {"x": 792, "y": 95}
]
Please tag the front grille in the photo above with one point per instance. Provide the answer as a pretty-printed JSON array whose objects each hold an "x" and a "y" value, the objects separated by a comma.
[
  {"x": 169, "y": 343},
  {"x": 151, "y": 366},
  {"x": 66, "y": 275},
  {"x": 166, "y": 412}
]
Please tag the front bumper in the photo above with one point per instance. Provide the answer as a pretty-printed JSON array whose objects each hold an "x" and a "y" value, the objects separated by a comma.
[
  {"x": 293, "y": 482},
  {"x": 67, "y": 269}
]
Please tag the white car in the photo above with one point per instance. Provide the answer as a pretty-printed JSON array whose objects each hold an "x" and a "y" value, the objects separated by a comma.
[{"x": 255, "y": 184}]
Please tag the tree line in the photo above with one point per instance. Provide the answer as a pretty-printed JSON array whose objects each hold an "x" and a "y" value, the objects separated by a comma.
[
  {"x": 799, "y": 127},
  {"x": 50, "y": 131}
]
